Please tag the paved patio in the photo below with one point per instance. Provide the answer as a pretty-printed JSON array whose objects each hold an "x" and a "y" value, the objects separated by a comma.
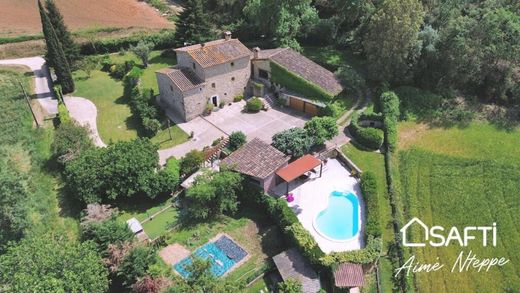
[
  {"x": 312, "y": 196},
  {"x": 263, "y": 125}
]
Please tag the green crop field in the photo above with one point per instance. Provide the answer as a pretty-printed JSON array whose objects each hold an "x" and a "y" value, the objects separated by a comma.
[{"x": 450, "y": 191}]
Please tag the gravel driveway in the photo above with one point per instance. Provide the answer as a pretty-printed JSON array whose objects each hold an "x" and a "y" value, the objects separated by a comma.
[{"x": 42, "y": 82}]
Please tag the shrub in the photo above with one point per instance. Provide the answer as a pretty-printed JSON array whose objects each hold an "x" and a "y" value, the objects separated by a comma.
[
  {"x": 191, "y": 162},
  {"x": 70, "y": 140},
  {"x": 236, "y": 140},
  {"x": 213, "y": 193},
  {"x": 351, "y": 80},
  {"x": 63, "y": 113},
  {"x": 121, "y": 69},
  {"x": 136, "y": 264},
  {"x": 369, "y": 137},
  {"x": 321, "y": 129},
  {"x": 238, "y": 98},
  {"x": 161, "y": 40},
  {"x": 290, "y": 286},
  {"x": 333, "y": 109},
  {"x": 209, "y": 108},
  {"x": 293, "y": 82},
  {"x": 221, "y": 105},
  {"x": 370, "y": 194},
  {"x": 254, "y": 105},
  {"x": 107, "y": 232},
  {"x": 294, "y": 141}
]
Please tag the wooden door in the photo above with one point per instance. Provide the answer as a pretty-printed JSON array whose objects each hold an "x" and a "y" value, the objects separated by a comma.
[
  {"x": 311, "y": 109},
  {"x": 296, "y": 104}
]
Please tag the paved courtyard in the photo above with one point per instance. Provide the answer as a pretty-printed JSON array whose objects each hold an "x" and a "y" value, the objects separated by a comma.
[
  {"x": 312, "y": 196},
  {"x": 263, "y": 125}
]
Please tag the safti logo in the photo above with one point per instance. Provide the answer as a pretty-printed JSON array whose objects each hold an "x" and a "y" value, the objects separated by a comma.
[{"x": 438, "y": 236}]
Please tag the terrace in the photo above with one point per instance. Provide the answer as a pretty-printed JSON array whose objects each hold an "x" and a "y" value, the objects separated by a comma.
[{"x": 313, "y": 197}]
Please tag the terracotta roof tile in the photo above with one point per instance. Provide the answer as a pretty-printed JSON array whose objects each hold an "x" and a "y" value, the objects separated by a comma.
[
  {"x": 309, "y": 70},
  {"x": 216, "y": 52},
  {"x": 256, "y": 158},
  {"x": 184, "y": 78},
  {"x": 349, "y": 275},
  {"x": 292, "y": 265}
]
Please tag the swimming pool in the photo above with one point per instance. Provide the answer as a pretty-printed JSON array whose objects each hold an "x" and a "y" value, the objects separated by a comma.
[
  {"x": 340, "y": 220},
  {"x": 223, "y": 254}
]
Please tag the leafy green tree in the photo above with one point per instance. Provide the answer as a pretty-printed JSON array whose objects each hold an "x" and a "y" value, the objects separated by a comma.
[
  {"x": 191, "y": 162},
  {"x": 391, "y": 36},
  {"x": 142, "y": 50},
  {"x": 295, "y": 142},
  {"x": 321, "y": 129},
  {"x": 106, "y": 232},
  {"x": 55, "y": 54},
  {"x": 70, "y": 140},
  {"x": 52, "y": 263},
  {"x": 282, "y": 20},
  {"x": 200, "y": 277},
  {"x": 480, "y": 52},
  {"x": 214, "y": 193},
  {"x": 14, "y": 211},
  {"x": 136, "y": 264},
  {"x": 193, "y": 25},
  {"x": 70, "y": 48},
  {"x": 290, "y": 286},
  {"x": 236, "y": 140},
  {"x": 124, "y": 169}
]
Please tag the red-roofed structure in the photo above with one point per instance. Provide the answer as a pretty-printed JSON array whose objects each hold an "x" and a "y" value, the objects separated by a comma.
[
  {"x": 298, "y": 168},
  {"x": 349, "y": 275}
]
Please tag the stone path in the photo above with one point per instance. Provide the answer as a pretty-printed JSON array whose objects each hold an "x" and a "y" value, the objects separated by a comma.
[
  {"x": 85, "y": 113},
  {"x": 42, "y": 82}
]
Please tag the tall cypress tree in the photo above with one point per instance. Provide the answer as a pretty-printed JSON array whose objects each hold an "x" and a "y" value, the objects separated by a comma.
[
  {"x": 193, "y": 26},
  {"x": 65, "y": 38},
  {"x": 55, "y": 55}
]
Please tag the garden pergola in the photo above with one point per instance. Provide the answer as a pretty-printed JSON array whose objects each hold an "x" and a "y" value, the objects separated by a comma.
[{"x": 297, "y": 168}]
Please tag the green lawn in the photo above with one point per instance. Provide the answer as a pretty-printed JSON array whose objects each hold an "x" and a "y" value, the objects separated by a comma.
[
  {"x": 478, "y": 140},
  {"x": 257, "y": 286},
  {"x": 450, "y": 191},
  {"x": 161, "y": 223},
  {"x": 115, "y": 120}
]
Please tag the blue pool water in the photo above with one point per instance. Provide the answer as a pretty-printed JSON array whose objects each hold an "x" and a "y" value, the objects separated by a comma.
[
  {"x": 340, "y": 220},
  {"x": 223, "y": 255}
]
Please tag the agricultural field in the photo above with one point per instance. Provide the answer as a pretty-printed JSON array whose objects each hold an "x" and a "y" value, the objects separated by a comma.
[
  {"x": 463, "y": 176},
  {"x": 450, "y": 191},
  {"x": 21, "y": 17}
]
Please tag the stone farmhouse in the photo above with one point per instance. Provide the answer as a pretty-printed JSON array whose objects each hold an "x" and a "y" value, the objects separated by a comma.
[{"x": 217, "y": 71}]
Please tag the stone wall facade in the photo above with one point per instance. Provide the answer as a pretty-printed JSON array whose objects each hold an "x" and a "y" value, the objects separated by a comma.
[{"x": 222, "y": 83}]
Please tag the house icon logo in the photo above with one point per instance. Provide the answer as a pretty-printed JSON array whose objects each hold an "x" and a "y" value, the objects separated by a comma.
[{"x": 404, "y": 233}]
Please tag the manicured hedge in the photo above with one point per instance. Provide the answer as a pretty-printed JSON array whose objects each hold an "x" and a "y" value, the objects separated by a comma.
[
  {"x": 369, "y": 137},
  {"x": 161, "y": 40},
  {"x": 390, "y": 110},
  {"x": 370, "y": 195},
  {"x": 142, "y": 102},
  {"x": 298, "y": 84}
]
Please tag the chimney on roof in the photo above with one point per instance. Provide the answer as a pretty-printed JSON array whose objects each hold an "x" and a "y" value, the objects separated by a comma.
[
  {"x": 227, "y": 35},
  {"x": 256, "y": 50}
]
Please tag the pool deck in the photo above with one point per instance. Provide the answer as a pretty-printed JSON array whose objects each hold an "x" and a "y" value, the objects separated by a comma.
[{"x": 312, "y": 196}]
